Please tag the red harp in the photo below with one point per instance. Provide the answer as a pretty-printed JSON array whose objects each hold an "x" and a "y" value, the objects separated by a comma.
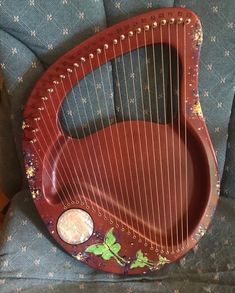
[{"x": 136, "y": 191}]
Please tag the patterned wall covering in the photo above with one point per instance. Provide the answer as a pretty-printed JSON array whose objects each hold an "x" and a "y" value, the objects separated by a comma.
[{"x": 33, "y": 34}]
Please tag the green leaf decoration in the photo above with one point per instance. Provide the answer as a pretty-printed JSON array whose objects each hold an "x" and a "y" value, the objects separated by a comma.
[
  {"x": 162, "y": 260},
  {"x": 140, "y": 261},
  {"x": 139, "y": 254},
  {"x": 110, "y": 249},
  {"x": 107, "y": 255},
  {"x": 109, "y": 238},
  {"x": 115, "y": 248},
  {"x": 97, "y": 249}
]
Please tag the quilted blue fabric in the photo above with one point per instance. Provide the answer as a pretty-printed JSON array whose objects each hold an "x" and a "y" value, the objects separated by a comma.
[{"x": 33, "y": 34}]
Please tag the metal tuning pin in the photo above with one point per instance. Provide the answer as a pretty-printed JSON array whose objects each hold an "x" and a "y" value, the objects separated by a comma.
[
  {"x": 62, "y": 76},
  {"x": 171, "y": 21},
  {"x": 55, "y": 82},
  {"x": 138, "y": 30},
  {"x": 163, "y": 22},
  {"x": 154, "y": 25},
  {"x": 146, "y": 27},
  {"x": 69, "y": 70},
  {"x": 83, "y": 59},
  {"x": 50, "y": 90},
  {"x": 98, "y": 51},
  {"x": 130, "y": 34},
  {"x": 44, "y": 98},
  {"x": 76, "y": 65},
  {"x": 106, "y": 46},
  {"x": 180, "y": 20},
  {"x": 115, "y": 41},
  {"x": 91, "y": 56},
  {"x": 187, "y": 21},
  {"x": 122, "y": 37}
]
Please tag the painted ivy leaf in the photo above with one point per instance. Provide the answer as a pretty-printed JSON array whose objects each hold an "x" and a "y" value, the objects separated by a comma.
[
  {"x": 139, "y": 254},
  {"x": 115, "y": 248},
  {"x": 109, "y": 238},
  {"x": 97, "y": 249},
  {"x": 107, "y": 255},
  {"x": 140, "y": 261},
  {"x": 163, "y": 260}
]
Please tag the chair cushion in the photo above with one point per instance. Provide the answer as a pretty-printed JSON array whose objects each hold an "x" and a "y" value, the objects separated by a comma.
[{"x": 32, "y": 261}]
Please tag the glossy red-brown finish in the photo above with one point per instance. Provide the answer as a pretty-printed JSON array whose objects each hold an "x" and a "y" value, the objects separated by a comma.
[{"x": 156, "y": 228}]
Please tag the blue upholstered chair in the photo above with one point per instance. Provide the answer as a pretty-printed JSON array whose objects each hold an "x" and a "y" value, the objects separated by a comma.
[{"x": 33, "y": 34}]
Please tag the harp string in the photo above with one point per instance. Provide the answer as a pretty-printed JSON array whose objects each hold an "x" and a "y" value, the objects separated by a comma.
[
  {"x": 172, "y": 135},
  {"x": 60, "y": 146},
  {"x": 112, "y": 139},
  {"x": 125, "y": 137},
  {"x": 166, "y": 137},
  {"x": 139, "y": 135},
  {"x": 151, "y": 119},
  {"x": 159, "y": 143},
  {"x": 99, "y": 146},
  {"x": 86, "y": 145},
  {"x": 72, "y": 200},
  {"x": 81, "y": 149},
  {"x": 133, "y": 148},
  {"x": 106, "y": 142},
  {"x": 179, "y": 135},
  {"x": 185, "y": 134},
  {"x": 74, "y": 149}
]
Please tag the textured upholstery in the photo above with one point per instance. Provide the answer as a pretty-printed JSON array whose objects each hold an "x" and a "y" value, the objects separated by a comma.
[
  {"x": 33, "y": 34},
  {"x": 31, "y": 261}
]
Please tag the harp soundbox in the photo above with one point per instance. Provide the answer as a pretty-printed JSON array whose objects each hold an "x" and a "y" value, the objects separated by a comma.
[{"x": 130, "y": 191}]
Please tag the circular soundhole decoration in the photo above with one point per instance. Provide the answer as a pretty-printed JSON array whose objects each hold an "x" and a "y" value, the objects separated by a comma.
[{"x": 75, "y": 226}]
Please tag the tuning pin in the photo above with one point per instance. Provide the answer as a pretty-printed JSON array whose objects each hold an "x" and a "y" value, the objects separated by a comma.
[
  {"x": 138, "y": 30},
  {"x": 187, "y": 21},
  {"x": 130, "y": 34},
  {"x": 171, "y": 21},
  {"x": 146, "y": 27},
  {"x": 62, "y": 76},
  {"x": 76, "y": 65},
  {"x": 69, "y": 70},
  {"x": 98, "y": 51},
  {"x": 122, "y": 37},
  {"x": 83, "y": 59},
  {"x": 106, "y": 46},
  {"x": 154, "y": 25},
  {"x": 163, "y": 22},
  {"x": 180, "y": 20},
  {"x": 55, "y": 82},
  {"x": 91, "y": 56},
  {"x": 50, "y": 90}
]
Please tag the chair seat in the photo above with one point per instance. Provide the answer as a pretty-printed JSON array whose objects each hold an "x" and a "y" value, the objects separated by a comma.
[{"x": 31, "y": 260}]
